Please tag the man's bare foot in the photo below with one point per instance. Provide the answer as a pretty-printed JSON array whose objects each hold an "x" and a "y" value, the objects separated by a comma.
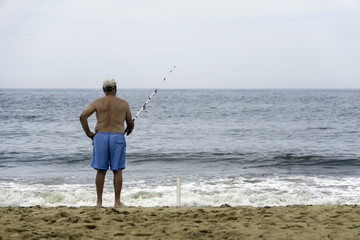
[
  {"x": 119, "y": 205},
  {"x": 99, "y": 204}
]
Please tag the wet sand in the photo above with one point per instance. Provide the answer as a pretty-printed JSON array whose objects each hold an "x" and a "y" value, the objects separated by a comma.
[{"x": 225, "y": 222}]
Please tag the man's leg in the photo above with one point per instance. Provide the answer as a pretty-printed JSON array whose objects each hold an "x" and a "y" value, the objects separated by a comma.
[
  {"x": 99, "y": 181},
  {"x": 117, "y": 187}
]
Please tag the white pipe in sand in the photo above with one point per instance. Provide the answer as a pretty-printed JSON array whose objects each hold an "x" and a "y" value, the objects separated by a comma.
[{"x": 178, "y": 191}]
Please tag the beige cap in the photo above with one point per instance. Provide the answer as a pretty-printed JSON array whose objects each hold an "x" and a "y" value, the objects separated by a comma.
[{"x": 109, "y": 84}]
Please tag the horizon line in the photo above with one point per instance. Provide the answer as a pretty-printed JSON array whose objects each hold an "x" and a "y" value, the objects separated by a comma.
[{"x": 77, "y": 88}]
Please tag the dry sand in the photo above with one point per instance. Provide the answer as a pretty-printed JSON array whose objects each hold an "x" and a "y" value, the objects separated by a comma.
[{"x": 291, "y": 222}]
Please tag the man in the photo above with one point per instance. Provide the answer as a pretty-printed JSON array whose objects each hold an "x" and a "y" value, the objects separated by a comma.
[{"x": 108, "y": 140}]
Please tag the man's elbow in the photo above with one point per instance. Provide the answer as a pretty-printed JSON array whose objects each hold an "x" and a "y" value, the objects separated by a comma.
[{"x": 82, "y": 117}]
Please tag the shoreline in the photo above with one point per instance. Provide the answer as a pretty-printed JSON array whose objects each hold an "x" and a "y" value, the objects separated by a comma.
[{"x": 224, "y": 222}]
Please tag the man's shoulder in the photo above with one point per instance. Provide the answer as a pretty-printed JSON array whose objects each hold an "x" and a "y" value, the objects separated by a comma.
[
  {"x": 112, "y": 99},
  {"x": 121, "y": 100}
]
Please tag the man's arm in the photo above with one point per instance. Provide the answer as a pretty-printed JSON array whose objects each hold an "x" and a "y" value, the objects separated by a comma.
[
  {"x": 129, "y": 121},
  {"x": 88, "y": 111}
]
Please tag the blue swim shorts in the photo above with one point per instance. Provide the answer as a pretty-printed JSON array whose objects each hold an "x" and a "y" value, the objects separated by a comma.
[{"x": 109, "y": 151}]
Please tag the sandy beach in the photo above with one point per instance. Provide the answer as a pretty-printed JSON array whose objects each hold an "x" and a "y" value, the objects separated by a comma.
[{"x": 225, "y": 222}]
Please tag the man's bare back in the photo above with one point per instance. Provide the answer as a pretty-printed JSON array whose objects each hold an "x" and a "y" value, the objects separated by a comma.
[{"x": 111, "y": 112}]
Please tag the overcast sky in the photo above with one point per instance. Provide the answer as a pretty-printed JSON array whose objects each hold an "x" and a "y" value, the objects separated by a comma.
[{"x": 213, "y": 43}]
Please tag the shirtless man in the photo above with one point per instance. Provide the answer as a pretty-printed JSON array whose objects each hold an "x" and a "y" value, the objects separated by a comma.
[{"x": 108, "y": 140}]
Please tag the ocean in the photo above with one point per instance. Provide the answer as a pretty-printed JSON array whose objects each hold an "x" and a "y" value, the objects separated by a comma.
[{"x": 236, "y": 147}]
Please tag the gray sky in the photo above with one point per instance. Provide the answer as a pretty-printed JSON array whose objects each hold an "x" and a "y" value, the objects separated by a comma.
[{"x": 213, "y": 43}]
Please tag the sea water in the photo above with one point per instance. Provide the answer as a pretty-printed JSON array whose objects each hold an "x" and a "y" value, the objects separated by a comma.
[{"x": 236, "y": 147}]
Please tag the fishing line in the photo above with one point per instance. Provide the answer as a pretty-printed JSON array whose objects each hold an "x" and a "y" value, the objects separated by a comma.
[{"x": 153, "y": 93}]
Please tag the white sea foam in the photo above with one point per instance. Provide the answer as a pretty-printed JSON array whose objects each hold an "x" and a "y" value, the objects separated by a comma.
[{"x": 236, "y": 191}]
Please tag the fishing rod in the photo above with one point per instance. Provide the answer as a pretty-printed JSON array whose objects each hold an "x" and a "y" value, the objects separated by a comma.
[{"x": 153, "y": 93}]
